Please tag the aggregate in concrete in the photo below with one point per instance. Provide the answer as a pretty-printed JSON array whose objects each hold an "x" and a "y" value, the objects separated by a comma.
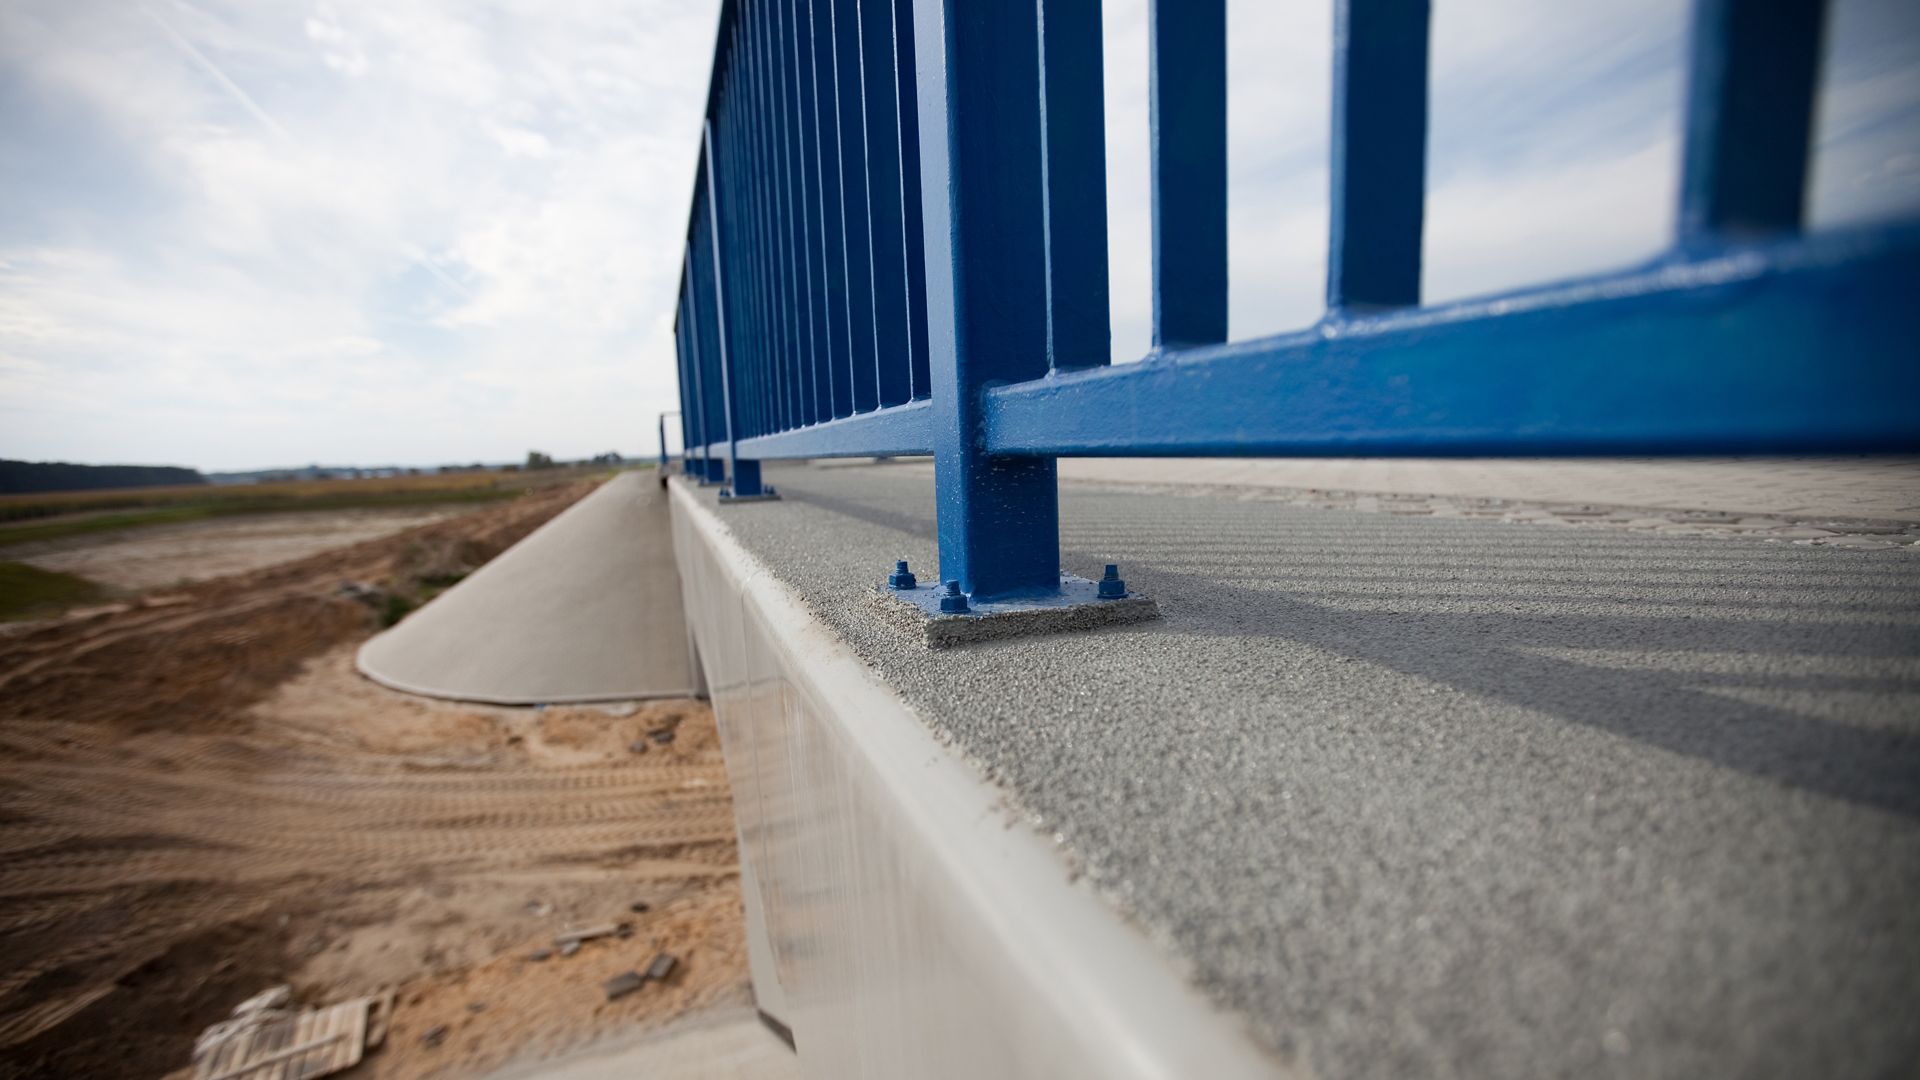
[{"x": 1457, "y": 797}]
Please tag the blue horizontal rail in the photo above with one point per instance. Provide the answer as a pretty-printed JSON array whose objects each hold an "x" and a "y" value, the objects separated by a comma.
[
  {"x": 1796, "y": 347},
  {"x": 897, "y": 431},
  {"x": 896, "y": 246}
]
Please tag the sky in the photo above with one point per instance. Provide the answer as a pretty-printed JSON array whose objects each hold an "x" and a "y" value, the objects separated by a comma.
[{"x": 246, "y": 233}]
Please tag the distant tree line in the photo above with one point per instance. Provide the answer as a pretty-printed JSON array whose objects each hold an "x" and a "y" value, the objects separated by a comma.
[
  {"x": 18, "y": 477},
  {"x": 540, "y": 459}
]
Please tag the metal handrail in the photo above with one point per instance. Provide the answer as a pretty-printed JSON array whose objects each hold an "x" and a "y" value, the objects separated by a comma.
[{"x": 897, "y": 245}]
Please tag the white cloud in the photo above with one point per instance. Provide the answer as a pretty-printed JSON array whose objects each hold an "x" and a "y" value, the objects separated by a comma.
[{"x": 360, "y": 232}]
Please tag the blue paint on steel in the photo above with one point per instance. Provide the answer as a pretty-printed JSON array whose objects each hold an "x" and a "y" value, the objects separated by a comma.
[
  {"x": 901, "y": 431},
  {"x": 1749, "y": 116},
  {"x": 1073, "y": 165},
  {"x": 1379, "y": 153},
  {"x": 1187, "y": 106},
  {"x": 746, "y": 481},
  {"x": 885, "y": 197},
  {"x": 907, "y": 131},
  {"x": 856, "y": 209},
  {"x": 703, "y": 415},
  {"x": 986, "y": 291},
  {"x": 807, "y": 236},
  {"x": 831, "y": 210},
  {"x": 1112, "y": 587},
  {"x": 902, "y": 578},
  {"x": 850, "y": 288},
  {"x": 1804, "y": 346}
]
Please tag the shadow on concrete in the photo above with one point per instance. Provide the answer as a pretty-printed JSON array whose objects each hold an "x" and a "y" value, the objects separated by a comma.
[{"x": 1497, "y": 656}]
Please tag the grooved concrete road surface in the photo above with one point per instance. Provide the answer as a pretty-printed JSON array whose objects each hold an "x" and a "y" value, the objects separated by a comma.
[
  {"x": 1458, "y": 797},
  {"x": 1882, "y": 488}
]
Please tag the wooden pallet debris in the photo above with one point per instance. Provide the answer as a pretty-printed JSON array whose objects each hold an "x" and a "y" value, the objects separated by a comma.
[{"x": 266, "y": 1039}]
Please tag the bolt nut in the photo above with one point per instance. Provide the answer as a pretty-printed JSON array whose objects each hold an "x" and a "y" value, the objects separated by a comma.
[
  {"x": 953, "y": 601},
  {"x": 901, "y": 578},
  {"x": 1111, "y": 587}
]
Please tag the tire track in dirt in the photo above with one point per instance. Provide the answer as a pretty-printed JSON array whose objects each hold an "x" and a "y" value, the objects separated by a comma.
[{"x": 200, "y": 798}]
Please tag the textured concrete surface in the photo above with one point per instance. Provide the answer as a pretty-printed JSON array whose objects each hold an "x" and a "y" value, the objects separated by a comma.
[
  {"x": 586, "y": 608},
  {"x": 1454, "y": 797},
  {"x": 1884, "y": 488}
]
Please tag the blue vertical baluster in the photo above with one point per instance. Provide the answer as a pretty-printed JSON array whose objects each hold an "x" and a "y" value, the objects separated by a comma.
[
  {"x": 744, "y": 473},
  {"x": 710, "y": 346},
  {"x": 832, "y": 207},
  {"x": 999, "y": 517},
  {"x": 806, "y": 232},
  {"x": 1749, "y": 116},
  {"x": 1187, "y": 106},
  {"x": 692, "y": 425},
  {"x": 1379, "y": 153},
  {"x": 778, "y": 216},
  {"x": 680, "y": 368},
  {"x": 1073, "y": 163},
  {"x": 793, "y": 216},
  {"x": 700, "y": 357},
  {"x": 907, "y": 132},
  {"x": 683, "y": 346},
  {"x": 891, "y": 319},
  {"x": 739, "y": 261},
  {"x": 727, "y": 322},
  {"x": 748, "y": 348},
  {"x": 863, "y": 361},
  {"x": 753, "y": 238},
  {"x": 768, "y": 172}
]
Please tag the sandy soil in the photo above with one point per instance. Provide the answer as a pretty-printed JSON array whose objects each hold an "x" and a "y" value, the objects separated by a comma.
[
  {"x": 199, "y": 798},
  {"x": 156, "y": 556}
]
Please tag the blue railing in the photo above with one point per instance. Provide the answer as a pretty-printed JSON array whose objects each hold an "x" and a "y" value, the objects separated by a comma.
[{"x": 898, "y": 246}]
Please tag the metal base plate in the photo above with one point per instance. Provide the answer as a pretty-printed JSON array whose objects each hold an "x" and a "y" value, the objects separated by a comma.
[
  {"x": 1077, "y": 607},
  {"x": 768, "y": 495}
]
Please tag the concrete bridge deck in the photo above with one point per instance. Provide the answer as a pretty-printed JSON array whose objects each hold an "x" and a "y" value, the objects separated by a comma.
[{"x": 1450, "y": 796}]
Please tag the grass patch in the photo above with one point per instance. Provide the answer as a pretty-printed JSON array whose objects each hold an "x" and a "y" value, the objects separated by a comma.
[{"x": 28, "y": 590}]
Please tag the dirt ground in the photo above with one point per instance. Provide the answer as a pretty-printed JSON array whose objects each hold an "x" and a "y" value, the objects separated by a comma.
[
  {"x": 163, "y": 555},
  {"x": 200, "y": 798}
]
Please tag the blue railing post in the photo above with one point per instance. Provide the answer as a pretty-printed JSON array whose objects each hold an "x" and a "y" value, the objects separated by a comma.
[
  {"x": 1379, "y": 144},
  {"x": 709, "y": 470},
  {"x": 743, "y": 473},
  {"x": 892, "y": 317},
  {"x": 1187, "y": 124},
  {"x": 1073, "y": 163},
  {"x": 982, "y": 192},
  {"x": 1749, "y": 121},
  {"x": 680, "y": 367},
  {"x": 852, "y": 145}
]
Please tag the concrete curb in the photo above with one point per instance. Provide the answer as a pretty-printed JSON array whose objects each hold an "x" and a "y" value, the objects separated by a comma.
[{"x": 913, "y": 927}]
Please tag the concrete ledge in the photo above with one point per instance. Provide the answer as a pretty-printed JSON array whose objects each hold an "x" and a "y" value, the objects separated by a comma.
[{"x": 900, "y": 922}]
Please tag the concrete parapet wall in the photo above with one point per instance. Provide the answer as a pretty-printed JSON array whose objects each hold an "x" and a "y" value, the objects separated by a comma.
[{"x": 900, "y": 923}]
